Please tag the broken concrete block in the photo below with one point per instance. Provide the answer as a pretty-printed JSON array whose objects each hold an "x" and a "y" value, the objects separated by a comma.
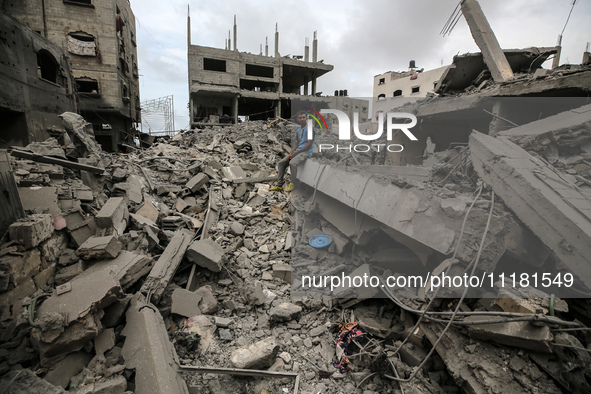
[
  {"x": 70, "y": 272},
  {"x": 259, "y": 355},
  {"x": 128, "y": 266},
  {"x": 285, "y": 311},
  {"x": 282, "y": 271},
  {"x": 32, "y": 231},
  {"x": 223, "y": 322},
  {"x": 85, "y": 231},
  {"x": 206, "y": 253},
  {"x": 149, "y": 211},
  {"x": 116, "y": 385},
  {"x": 25, "y": 289},
  {"x": 520, "y": 334},
  {"x": 115, "y": 313},
  {"x": 40, "y": 199},
  {"x": 44, "y": 279},
  {"x": 185, "y": 303},
  {"x": 80, "y": 309},
  {"x": 148, "y": 350},
  {"x": 104, "y": 341},
  {"x": 453, "y": 206},
  {"x": 237, "y": 228},
  {"x": 61, "y": 373},
  {"x": 167, "y": 264},
  {"x": 52, "y": 248},
  {"x": 208, "y": 303},
  {"x": 196, "y": 182},
  {"x": 232, "y": 173},
  {"x": 25, "y": 381},
  {"x": 551, "y": 206},
  {"x": 100, "y": 248},
  {"x": 113, "y": 214},
  {"x": 21, "y": 268}
]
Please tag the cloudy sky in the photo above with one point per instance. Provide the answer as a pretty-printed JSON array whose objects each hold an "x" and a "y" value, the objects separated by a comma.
[{"x": 361, "y": 39}]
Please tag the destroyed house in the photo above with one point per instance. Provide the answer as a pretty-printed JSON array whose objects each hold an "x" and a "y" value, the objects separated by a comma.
[
  {"x": 100, "y": 40},
  {"x": 225, "y": 83}
]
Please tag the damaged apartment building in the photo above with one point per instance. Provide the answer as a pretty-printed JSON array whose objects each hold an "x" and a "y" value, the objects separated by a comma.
[
  {"x": 225, "y": 83},
  {"x": 99, "y": 40}
]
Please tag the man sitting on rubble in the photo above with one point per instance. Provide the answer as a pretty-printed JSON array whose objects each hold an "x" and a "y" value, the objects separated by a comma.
[{"x": 301, "y": 149}]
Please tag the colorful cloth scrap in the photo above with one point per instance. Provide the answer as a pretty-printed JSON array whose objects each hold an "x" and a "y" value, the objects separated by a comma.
[{"x": 347, "y": 333}]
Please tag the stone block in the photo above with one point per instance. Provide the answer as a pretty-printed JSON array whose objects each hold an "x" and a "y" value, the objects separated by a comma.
[
  {"x": 185, "y": 303},
  {"x": 32, "y": 231},
  {"x": 61, "y": 373},
  {"x": 259, "y": 355},
  {"x": 206, "y": 253},
  {"x": 113, "y": 214},
  {"x": 149, "y": 211},
  {"x": 196, "y": 182},
  {"x": 100, "y": 248},
  {"x": 285, "y": 311}
]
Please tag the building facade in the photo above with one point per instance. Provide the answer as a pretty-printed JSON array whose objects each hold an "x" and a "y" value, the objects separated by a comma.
[
  {"x": 100, "y": 39},
  {"x": 36, "y": 84},
  {"x": 225, "y": 83}
]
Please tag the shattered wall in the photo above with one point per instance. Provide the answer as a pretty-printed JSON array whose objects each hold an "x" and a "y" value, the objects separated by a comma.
[{"x": 35, "y": 84}]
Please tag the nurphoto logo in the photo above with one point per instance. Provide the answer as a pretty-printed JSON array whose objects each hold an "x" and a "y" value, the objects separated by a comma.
[{"x": 345, "y": 130}]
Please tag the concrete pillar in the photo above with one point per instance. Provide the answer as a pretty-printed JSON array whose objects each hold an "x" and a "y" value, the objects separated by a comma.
[
  {"x": 306, "y": 86},
  {"x": 191, "y": 110},
  {"x": 188, "y": 25},
  {"x": 276, "y": 41},
  {"x": 315, "y": 49},
  {"x": 278, "y": 109},
  {"x": 556, "y": 60},
  {"x": 235, "y": 109},
  {"x": 487, "y": 41},
  {"x": 266, "y": 46},
  {"x": 314, "y": 86},
  {"x": 307, "y": 51},
  {"x": 235, "y": 33},
  {"x": 229, "y": 41}
]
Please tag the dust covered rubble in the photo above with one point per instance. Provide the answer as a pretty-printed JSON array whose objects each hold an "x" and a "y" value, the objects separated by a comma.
[{"x": 174, "y": 241}]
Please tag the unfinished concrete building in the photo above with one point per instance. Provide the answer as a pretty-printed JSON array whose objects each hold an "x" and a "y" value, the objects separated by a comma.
[
  {"x": 99, "y": 37},
  {"x": 225, "y": 83},
  {"x": 35, "y": 84}
]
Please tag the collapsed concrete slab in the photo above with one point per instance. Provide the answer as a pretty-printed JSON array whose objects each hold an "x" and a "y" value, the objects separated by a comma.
[
  {"x": 551, "y": 206},
  {"x": 485, "y": 369},
  {"x": 410, "y": 215},
  {"x": 167, "y": 264},
  {"x": 71, "y": 318},
  {"x": 127, "y": 266},
  {"x": 518, "y": 334},
  {"x": 148, "y": 350}
]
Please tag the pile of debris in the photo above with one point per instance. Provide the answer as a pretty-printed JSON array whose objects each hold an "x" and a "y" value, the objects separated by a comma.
[{"x": 174, "y": 269}]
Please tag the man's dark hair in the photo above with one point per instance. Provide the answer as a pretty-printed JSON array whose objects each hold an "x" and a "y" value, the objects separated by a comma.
[{"x": 302, "y": 113}]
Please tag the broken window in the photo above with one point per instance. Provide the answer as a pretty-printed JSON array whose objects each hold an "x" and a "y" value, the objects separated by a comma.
[
  {"x": 214, "y": 64},
  {"x": 47, "y": 66},
  {"x": 382, "y": 96},
  {"x": 397, "y": 93},
  {"x": 382, "y": 81},
  {"x": 415, "y": 89},
  {"x": 87, "y": 85},
  {"x": 259, "y": 71},
  {"x": 78, "y": 2},
  {"x": 81, "y": 43}
]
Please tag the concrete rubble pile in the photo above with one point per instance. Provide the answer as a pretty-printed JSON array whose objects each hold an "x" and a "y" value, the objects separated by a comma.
[{"x": 173, "y": 269}]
